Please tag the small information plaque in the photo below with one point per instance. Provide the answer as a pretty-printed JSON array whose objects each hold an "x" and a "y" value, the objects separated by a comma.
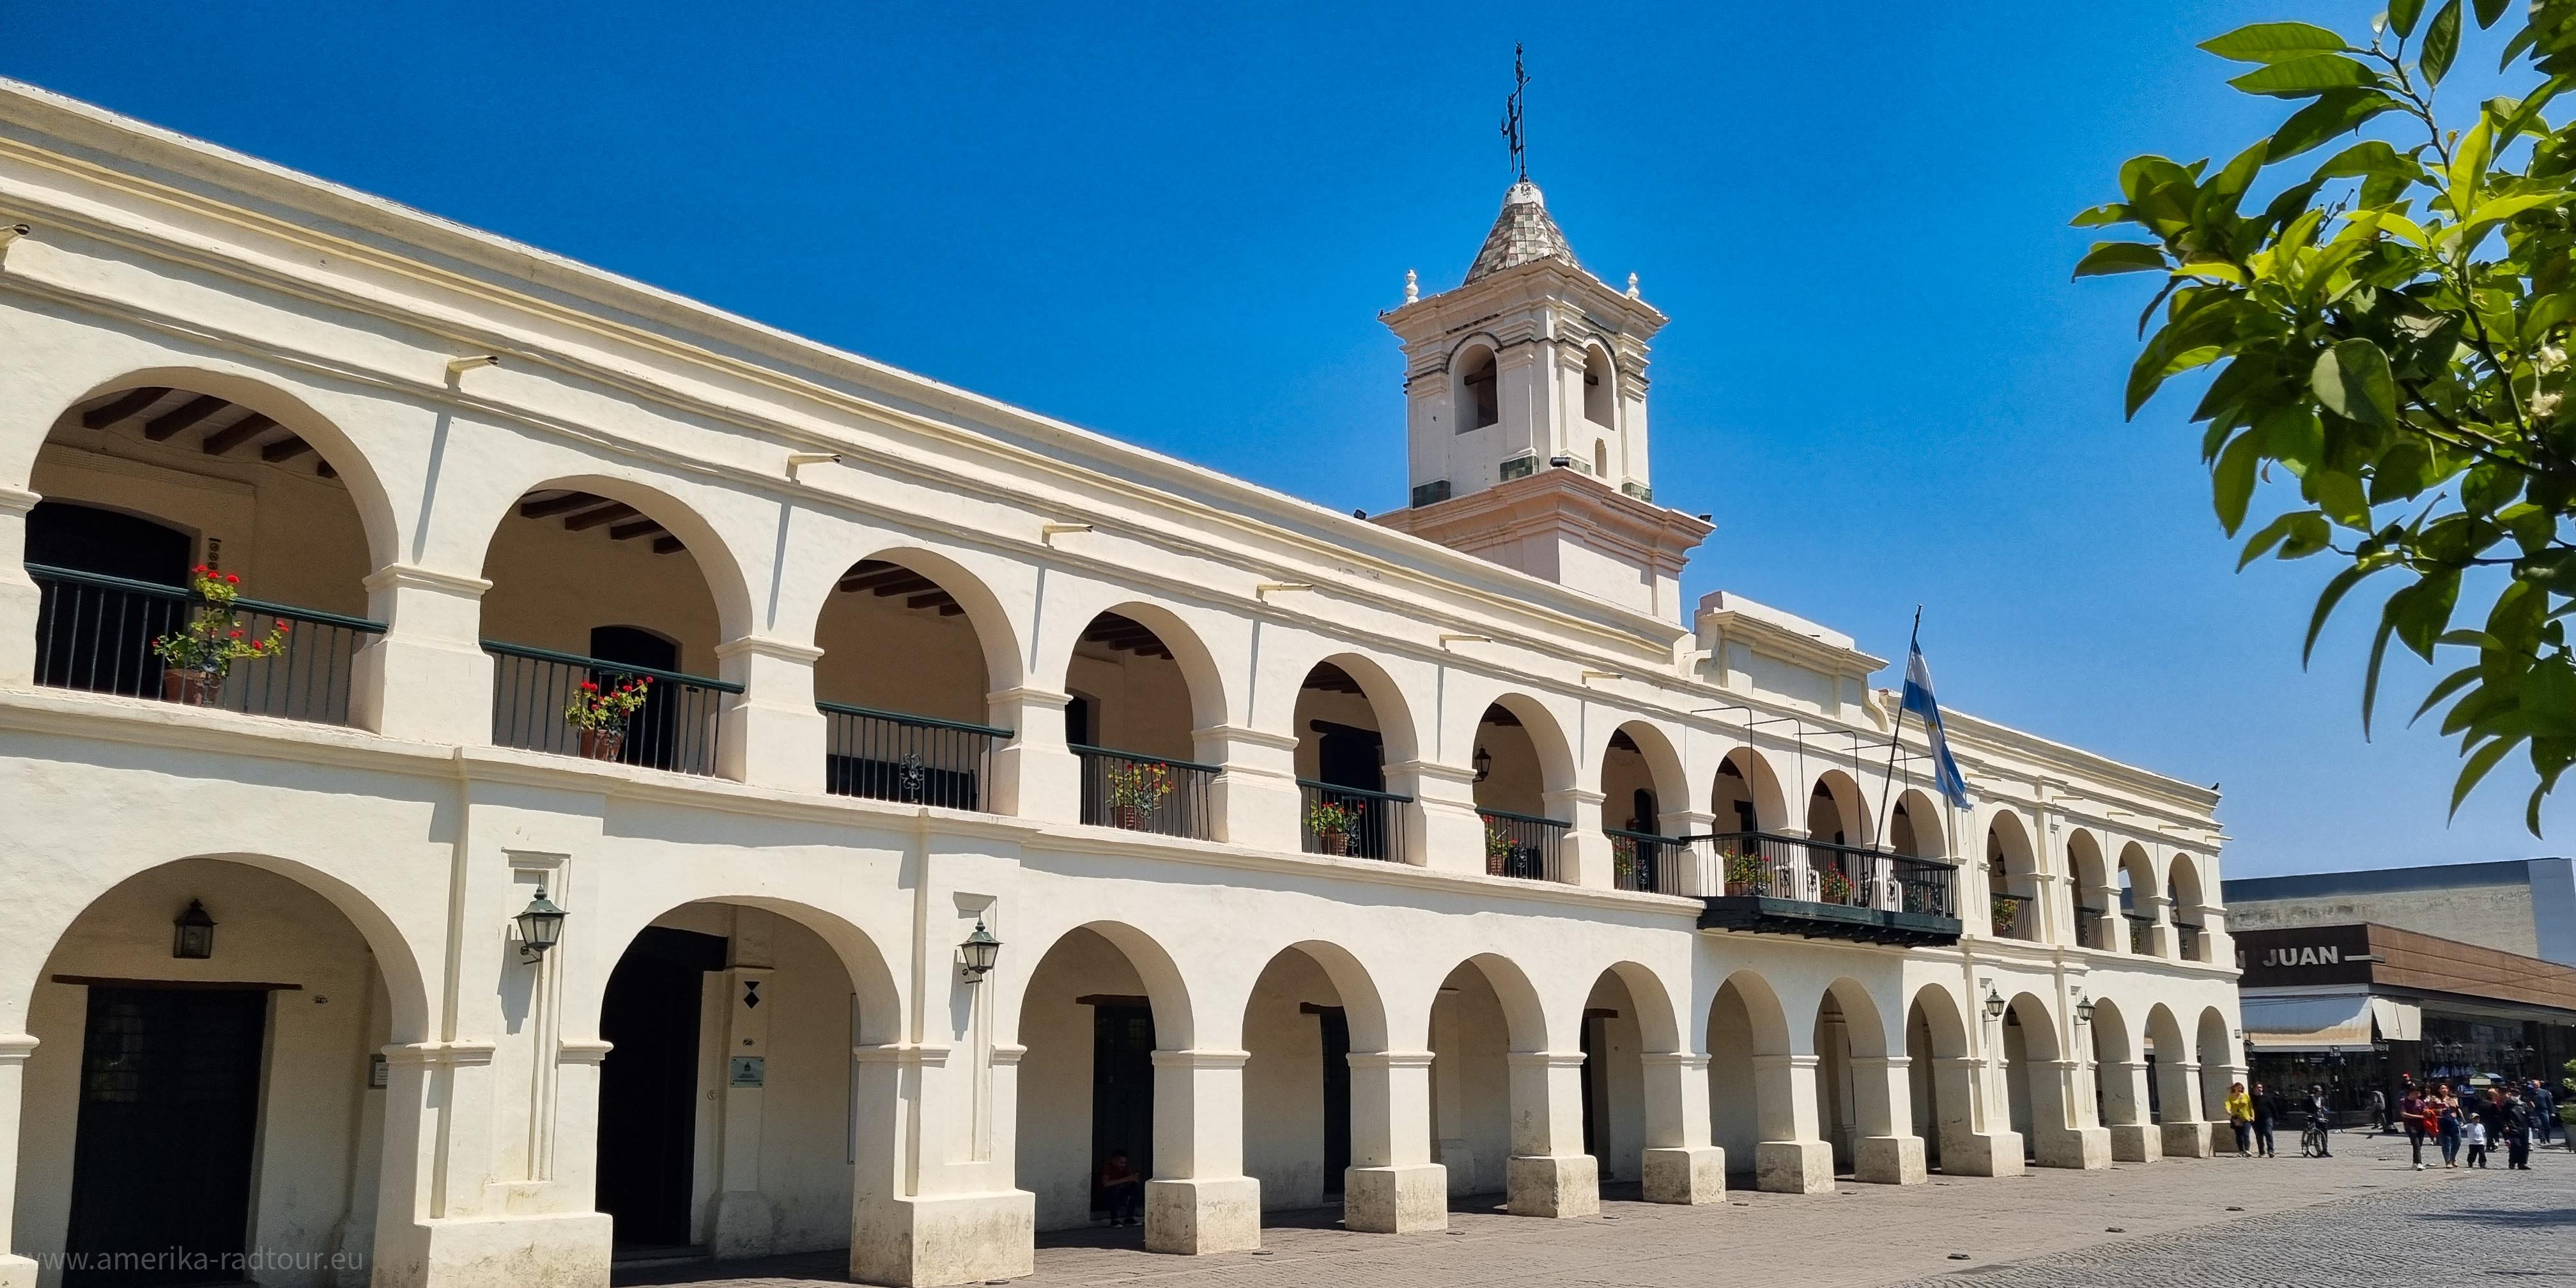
[{"x": 749, "y": 1071}]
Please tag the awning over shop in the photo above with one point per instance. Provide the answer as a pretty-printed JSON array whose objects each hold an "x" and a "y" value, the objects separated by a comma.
[
  {"x": 2309, "y": 1022},
  {"x": 2398, "y": 1021}
]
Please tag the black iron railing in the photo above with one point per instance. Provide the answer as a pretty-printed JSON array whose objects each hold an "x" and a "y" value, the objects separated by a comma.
[
  {"x": 675, "y": 729},
  {"x": 1765, "y": 865},
  {"x": 1645, "y": 861},
  {"x": 95, "y": 632},
  {"x": 1145, "y": 793},
  {"x": 1523, "y": 846},
  {"x": 889, "y": 756},
  {"x": 2141, "y": 933},
  {"x": 2187, "y": 940},
  {"x": 1372, "y": 823},
  {"x": 2090, "y": 932},
  {"x": 2012, "y": 916}
]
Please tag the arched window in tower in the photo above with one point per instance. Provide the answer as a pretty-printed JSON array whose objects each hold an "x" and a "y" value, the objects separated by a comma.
[
  {"x": 1479, "y": 403},
  {"x": 1600, "y": 389},
  {"x": 1600, "y": 458}
]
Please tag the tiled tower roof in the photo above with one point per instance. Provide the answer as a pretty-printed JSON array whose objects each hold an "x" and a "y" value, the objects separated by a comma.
[{"x": 1523, "y": 234}]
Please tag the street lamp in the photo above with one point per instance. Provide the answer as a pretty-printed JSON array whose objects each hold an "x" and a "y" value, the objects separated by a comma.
[
  {"x": 2083, "y": 1009},
  {"x": 192, "y": 933},
  {"x": 540, "y": 927},
  {"x": 1484, "y": 764},
  {"x": 981, "y": 950},
  {"x": 1994, "y": 1004}
]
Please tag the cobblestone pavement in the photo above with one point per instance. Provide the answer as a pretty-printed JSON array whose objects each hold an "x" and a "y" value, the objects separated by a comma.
[{"x": 2363, "y": 1219}]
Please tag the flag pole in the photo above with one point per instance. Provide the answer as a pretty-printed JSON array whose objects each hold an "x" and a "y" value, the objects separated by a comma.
[{"x": 1887, "y": 786}]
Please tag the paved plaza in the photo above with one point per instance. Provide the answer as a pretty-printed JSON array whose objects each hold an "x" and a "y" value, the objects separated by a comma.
[{"x": 2362, "y": 1219}]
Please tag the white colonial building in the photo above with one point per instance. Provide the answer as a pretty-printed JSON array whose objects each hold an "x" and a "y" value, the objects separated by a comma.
[{"x": 1330, "y": 860}]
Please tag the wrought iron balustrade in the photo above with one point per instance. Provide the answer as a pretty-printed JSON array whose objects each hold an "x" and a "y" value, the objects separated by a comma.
[
  {"x": 1524, "y": 846},
  {"x": 1374, "y": 821},
  {"x": 95, "y": 632},
  {"x": 1645, "y": 861},
  {"x": 2187, "y": 940},
  {"x": 1144, "y": 793},
  {"x": 2012, "y": 916},
  {"x": 674, "y": 730},
  {"x": 2141, "y": 933},
  {"x": 1793, "y": 885},
  {"x": 890, "y": 756}
]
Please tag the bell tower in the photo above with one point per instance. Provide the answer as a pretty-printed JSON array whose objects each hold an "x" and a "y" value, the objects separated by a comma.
[{"x": 1525, "y": 391}]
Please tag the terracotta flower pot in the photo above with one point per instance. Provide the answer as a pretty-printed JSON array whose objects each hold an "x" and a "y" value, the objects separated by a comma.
[
  {"x": 1130, "y": 817},
  {"x": 1742, "y": 889},
  {"x": 602, "y": 744},
  {"x": 193, "y": 687},
  {"x": 1333, "y": 842}
]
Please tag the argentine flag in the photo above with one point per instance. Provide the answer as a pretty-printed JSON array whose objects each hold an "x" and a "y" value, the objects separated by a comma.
[{"x": 1918, "y": 699}]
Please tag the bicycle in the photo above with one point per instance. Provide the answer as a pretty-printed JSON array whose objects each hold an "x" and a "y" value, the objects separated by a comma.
[{"x": 2312, "y": 1142}]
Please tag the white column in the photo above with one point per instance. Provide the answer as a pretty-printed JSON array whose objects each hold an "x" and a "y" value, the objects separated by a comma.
[
  {"x": 1441, "y": 829},
  {"x": 1548, "y": 1174},
  {"x": 2124, "y": 1103},
  {"x": 1584, "y": 859},
  {"x": 742, "y": 1223},
  {"x": 2186, "y": 1133},
  {"x": 1034, "y": 776},
  {"x": 1681, "y": 1166},
  {"x": 1199, "y": 1200},
  {"x": 2058, "y": 1136},
  {"x": 1888, "y": 1152},
  {"x": 1254, "y": 799},
  {"x": 1696, "y": 864},
  {"x": 923, "y": 1210},
  {"x": 1792, "y": 1157},
  {"x": 20, "y": 602},
  {"x": 15, "y": 1271},
  {"x": 2160, "y": 936},
  {"x": 427, "y": 677},
  {"x": 771, "y": 734},
  {"x": 1973, "y": 1142},
  {"x": 440, "y": 1218},
  {"x": 1392, "y": 1186}
]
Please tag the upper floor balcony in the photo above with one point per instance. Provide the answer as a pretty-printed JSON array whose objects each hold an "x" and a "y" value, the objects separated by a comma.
[{"x": 630, "y": 622}]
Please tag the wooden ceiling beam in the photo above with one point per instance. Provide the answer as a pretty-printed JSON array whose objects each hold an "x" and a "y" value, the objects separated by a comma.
[
  {"x": 187, "y": 413},
  {"x": 880, "y": 576},
  {"x": 641, "y": 527},
  {"x": 609, "y": 513},
  {"x": 101, "y": 417},
  {"x": 553, "y": 506},
  {"x": 932, "y": 600},
  {"x": 667, "y": 546},
  {"x": 910, "y": 584},
  {"x": 237, "y": 433},
  {"x": 285, "y": 449}
]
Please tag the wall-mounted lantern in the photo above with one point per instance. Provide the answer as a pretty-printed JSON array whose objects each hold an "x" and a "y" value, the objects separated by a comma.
[
  {"x": 981, "y": 950},
  {"x": 1994, "y": 1004},
  {"x": 540, "y": 927},
  {"x": 2083, "y": 1009},
  {"x": 192, "y": 934},
  {"x": 1484, "y": 764}
]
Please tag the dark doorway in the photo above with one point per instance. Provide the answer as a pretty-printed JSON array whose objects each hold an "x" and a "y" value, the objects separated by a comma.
[
  {"x": 1122, "y": 1090},
  {"x": 169, "y": 1116},
  {"x": 98, "y": 637},
  {"x": 1591, "y": 1119},
  {"x": 648, "y": 1085},
  {"x": 1349, "y": 756},
  {"x": 1336, "y": 1024},
  {"x": 652, "y": 733},
  {"x": 1077, "y": 721}
]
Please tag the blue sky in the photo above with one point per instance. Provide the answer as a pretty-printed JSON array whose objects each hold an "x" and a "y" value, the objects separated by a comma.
[{"x": 1177, "y": 223}]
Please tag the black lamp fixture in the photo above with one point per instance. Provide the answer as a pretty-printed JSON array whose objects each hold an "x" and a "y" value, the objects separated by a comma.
[
  {"x": 1994, "y": 1004},
  {"x": 2083, "y": 1009},
  {"x": 192, "y": 934},
  {"x": 540, "y": 927},
  {"x": 1484, "y": 764},
  {"x": 981, "y": 950}
]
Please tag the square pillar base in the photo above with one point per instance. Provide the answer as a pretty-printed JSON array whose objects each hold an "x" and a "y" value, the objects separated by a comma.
[
  {"x": 1793, "y": 1167},
  {"x": 1561, "y": 1185},
  {"x": 2136, "y": 1143},
  {"x": 1889, "y": 1160},
  {"x": 559, "y": 1250},
  {"x": 1982, "y": 1153},
  {"x": 1412, "y": 1199},
  {"x": 951, "y": 1239},
  {"x": 17, "y": 1271},
  {"x": 2187, "y": 1139},
  {"x": 745, "y": 1226},
  {"x": 1196, "y": 1217},
  {"x": 1686, "y": 1174},
  {"x": 2083, "y": 1148}
]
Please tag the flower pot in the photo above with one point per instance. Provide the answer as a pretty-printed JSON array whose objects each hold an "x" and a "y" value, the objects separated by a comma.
[
  {"x": 1494, "y": 863},
  {"x": 1333, "y": 842},
  {"x": 193, "y": 687},
  {"x": 602, "y": 744},
  {"x": 1742, "y": 889},
  {"x": 1130, "y": 817}
]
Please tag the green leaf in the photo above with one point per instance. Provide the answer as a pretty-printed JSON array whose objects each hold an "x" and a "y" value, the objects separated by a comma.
[
  {"x": 2302, "y": 77},
  {"x": 2488, "y": 12},
  {"x": 2107, "y": 258},
  {"x": 2271, "y": 42},
  {"x": 2232, "y": 479},
  {"x": 2335, "y": 113},
  {"x": 2101, "y": 216},
  {"x": 2480, "y": 761},
  {"x": 2327, "y": 599},
  {"x": 2450, "y": 684},
  {"x": 2441, "y": 43},
  {"x": 2353, "y": 381},
  {"x": 2402, "y": 15}
]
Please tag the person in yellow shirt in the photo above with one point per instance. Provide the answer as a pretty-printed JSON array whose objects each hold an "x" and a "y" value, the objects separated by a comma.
[{"x": 2240, "y": 1115}]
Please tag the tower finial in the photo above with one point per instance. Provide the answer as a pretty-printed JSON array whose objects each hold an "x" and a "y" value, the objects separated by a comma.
[
  {"x": 1412, "y": 286},
  {"x": 1512, "y": 133}
]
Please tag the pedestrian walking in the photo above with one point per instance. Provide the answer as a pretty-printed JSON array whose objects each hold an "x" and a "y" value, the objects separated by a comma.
[
  {"x": 2517, "y": 1138},
  {"x": 2475, "y": 1137},
  {"x": 2240, "y": 1117},
  {"x": 2379, "y": 1110},
  {"x": 2411, "y": 1109},
  {"x": 2446, "y": 1117},
  {"x": 2266, "y": 1109}
]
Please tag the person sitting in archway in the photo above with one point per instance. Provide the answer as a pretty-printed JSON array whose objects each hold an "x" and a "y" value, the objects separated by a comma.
[{"x": 1122, "y": 1186}]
